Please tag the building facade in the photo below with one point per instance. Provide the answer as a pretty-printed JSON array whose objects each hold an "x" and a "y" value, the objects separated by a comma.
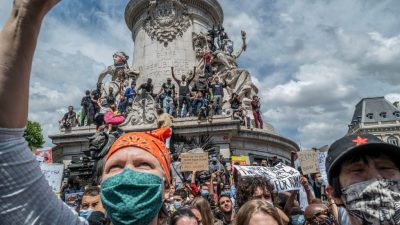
[{"x": 379, "y": 117}]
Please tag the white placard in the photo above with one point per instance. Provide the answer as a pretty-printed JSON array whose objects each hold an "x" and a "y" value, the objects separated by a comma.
[
  {"x": 53, "y": 174},
  {"x": 284, "y": 178}
]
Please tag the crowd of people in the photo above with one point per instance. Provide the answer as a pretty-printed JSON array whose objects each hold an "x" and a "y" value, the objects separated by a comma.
[
  {"x": 202, "y": 98},
  {"x": 141, "y": 186}
]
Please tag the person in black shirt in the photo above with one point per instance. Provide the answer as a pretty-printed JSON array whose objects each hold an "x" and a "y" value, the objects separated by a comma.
[
  {"x": 184, "y": 91},
  {"x": 147, "y": 88},
  {"x": 87, "y": 109},
  {"x": 235, "y": 102},
  {"x": 166, "y": 94},
  {"x": 217, "y": 91}
]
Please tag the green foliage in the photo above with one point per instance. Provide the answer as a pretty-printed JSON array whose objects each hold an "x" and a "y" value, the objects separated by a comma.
[{"x": 33, "y": 135}]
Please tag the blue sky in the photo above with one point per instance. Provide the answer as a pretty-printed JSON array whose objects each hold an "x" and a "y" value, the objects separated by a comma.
[{"x": 313, "y": 60}]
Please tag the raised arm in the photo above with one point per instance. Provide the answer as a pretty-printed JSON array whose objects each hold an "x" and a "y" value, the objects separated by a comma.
[
  {"x": 173, "y": 76},
  {"x": 17, "y": 45},
  {"x": 190, "y": 79},
  {"x": 20, "y": 171}
]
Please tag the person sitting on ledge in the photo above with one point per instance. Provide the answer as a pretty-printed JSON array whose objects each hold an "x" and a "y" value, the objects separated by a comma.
[
  {"x": 241, "y": 114},
  {"x": 235, "y": 102},
  {"x": 69, "y": 119}
]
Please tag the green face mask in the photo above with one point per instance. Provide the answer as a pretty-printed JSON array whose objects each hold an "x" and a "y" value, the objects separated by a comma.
[{"x": 132, "y": 197}]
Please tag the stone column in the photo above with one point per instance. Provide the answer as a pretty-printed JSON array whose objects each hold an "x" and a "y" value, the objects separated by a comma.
[{"x": 162, "y": 34}]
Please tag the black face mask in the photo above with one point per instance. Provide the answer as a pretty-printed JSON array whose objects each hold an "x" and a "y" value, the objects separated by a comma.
[{"x": 214, "y": 162}]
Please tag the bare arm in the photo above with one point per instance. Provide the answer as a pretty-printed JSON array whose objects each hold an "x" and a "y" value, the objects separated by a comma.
[
  {"x": 173, "y": 76},
  {"x": 190, "y": 79},
  {"x": 18, "y": 40}
]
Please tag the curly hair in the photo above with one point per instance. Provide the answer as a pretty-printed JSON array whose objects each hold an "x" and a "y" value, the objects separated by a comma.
[{"x": 248, "y": 185}]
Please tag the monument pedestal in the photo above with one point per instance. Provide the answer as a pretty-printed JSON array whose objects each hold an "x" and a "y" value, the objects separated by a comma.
[{"x": 227, "y": 137}]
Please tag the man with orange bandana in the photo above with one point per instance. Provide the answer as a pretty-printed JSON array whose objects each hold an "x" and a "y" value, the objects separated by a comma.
[{"x": 136, "y": 171}]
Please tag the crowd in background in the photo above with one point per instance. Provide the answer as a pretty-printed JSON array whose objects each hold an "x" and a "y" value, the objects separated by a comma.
[{"x": 202, "y": 98}]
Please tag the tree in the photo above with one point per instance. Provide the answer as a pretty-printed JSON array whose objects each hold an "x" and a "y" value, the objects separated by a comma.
[{"x": 33, "y": 135}]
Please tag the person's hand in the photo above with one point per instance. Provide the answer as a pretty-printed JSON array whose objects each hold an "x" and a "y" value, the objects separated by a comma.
[
  {"x": 213, "y": 175},
  {"x": 304, "y": 182}
]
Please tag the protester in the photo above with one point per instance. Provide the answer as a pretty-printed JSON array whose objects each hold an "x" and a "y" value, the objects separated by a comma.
[
  {"x": 256, "y": 188},
  {"x": 183, "y": 216},
  {"x": 184, "y": 91},
  {"x": 164, "y": 121},
  {"x": 146, "y": 88},
  {"x": 72, "y": 186},
  {"x": 225, "y": 209},
  {"x": 235, "y": 102},
  {"x": 69, "y": 119},
  {"x": 257, "y": 212},
  {"x": 91, "y": 202},
  {"x": 217, "y": 91},
  {"x": 204, "y": 208},
  {"x": 87, "y": 110},
  {"x": 364, "y": 176},
  {"x": 319, "y": 214},
  {"x": 256, "y": 108},
  {"x": 130, "y": 93}
]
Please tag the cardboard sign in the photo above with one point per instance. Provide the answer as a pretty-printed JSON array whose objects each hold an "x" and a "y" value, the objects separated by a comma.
[
  {"x": 284, "y": 178},
  {"x": 308, "y": 161},
  {"x": 322, "y": 169},
  {"x": 194, "y": 161},
  {"x": 53, "y": 174}
]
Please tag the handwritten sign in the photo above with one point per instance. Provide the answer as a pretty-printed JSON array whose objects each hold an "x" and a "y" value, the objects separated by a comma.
[
  {"x": 284, "y": 178},
  {"x": 322, "y": 169},
  {"x": 194, "y": 161},
  {"x": 308, "y": 161},
  {"x": 53, "y": 174}
]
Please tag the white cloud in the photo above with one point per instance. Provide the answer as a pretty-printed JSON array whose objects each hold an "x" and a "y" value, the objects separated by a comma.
[{"x": 313, "y": 60}]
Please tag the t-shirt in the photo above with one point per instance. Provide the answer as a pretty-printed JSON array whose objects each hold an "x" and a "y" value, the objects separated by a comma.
[
  {"x": 184, "y": 88},
  {"x": 255, "y": 106},
  {"x": 147, "y": 87},
  {"x": 235, "y": 103},
  {"x": 165, "y": 119},
  {"x": 217, "y": 89},
  {"x": 207, "y": 58},
  {"x": 130, "y": 92},
  {"x": 168, "y": 88}
]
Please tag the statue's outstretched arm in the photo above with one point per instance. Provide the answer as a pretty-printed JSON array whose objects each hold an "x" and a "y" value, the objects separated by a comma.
[{"x": 103, "y": 75}]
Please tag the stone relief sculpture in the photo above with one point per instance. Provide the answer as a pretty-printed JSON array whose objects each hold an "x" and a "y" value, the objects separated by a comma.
[
  {"x": 166, "y": 20},
  {"x": 224, "y": 65},
  {"x": 142, "y": 112}
]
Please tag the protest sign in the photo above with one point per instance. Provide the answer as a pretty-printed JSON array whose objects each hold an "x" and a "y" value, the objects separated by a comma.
[
  {"x": 322, "y": 169},
  {"x": 284, "y": 178},
  {"x": 242, "y": 160},
  {"x": 194, "y": 161},
  {"x": 308, "y": 161},
  {"x": 53, "y": 174},
  {"x": 44, "y": 155}
]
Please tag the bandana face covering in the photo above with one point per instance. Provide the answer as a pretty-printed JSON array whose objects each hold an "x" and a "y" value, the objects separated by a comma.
[
  {"x": 375, "y": 201},
  {"x": 132, "y": 197}
]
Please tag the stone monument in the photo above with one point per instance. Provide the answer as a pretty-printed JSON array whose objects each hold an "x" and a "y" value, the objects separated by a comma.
[{"x": 179, "y": 33}]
